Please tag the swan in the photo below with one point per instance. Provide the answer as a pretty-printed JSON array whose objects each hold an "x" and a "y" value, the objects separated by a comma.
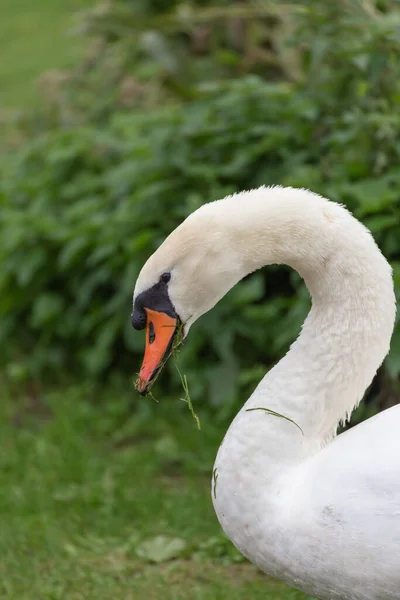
[{"x": 316, "y": 510}]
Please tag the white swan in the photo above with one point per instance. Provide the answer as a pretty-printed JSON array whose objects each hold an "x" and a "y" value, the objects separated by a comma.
[{"x": 317, "y": 511}]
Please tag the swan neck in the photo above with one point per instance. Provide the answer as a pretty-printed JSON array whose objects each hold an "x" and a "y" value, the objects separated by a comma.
[
  {"x": 263, "y": 485},
  {"x": 347, "y": 332}
]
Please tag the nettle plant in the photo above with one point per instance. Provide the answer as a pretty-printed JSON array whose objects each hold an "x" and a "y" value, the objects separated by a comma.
[{"x": 81, "y": 209}]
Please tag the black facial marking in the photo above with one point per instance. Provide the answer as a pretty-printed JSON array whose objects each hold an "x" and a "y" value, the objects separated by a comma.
[{"x": 155, "y": 298}]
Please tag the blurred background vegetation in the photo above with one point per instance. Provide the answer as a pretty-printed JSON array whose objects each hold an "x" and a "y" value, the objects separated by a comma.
[
  {"x": 113, "y": 134},
  {"x": 171, "y": 105}
]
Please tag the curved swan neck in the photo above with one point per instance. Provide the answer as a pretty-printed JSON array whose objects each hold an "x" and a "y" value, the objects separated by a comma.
[
  {"x": 347, "y": 332},
  {"x": 288, "y": 506}
]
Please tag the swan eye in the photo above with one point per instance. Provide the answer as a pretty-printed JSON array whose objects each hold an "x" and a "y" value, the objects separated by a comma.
[{"x": 165, "y": 277}]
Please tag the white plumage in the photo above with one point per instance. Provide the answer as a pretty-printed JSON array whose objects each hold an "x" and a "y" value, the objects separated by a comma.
[{"x": 317, "y": 511}]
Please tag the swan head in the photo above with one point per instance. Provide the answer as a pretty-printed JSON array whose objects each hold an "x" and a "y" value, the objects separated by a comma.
[{"x": 186, "y": 276}]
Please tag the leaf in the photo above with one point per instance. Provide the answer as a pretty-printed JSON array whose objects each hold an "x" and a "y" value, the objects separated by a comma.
[
  {"x": 373, "y": 195},
  {"x": 380, "y": 222},
  {"x": 46, "y": 308},
  {"x": 187, "y": 398},
  {"x": 72, "y": 251},
  {"x": 161, "y": 548},
  {"x": 215, "y": 479},
  {"x": 250, "y": 290},
  {"x": 276, "y": 414},
  {"x": 30, "y": 265}
]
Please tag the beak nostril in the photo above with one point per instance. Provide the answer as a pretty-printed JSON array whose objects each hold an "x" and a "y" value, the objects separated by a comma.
[{"x": 152, "y": 333}]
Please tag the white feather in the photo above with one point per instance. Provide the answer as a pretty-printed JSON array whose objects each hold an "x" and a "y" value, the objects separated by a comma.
[{"x": 318, "y": 511}]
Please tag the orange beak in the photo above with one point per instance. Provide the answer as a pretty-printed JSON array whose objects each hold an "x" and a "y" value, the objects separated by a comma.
[{"x": 160, "y": 332}]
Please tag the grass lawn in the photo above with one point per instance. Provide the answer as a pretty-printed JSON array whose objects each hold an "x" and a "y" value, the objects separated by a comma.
[
  {"x": 34, "y": 38},
  {"x": 101, "y": 501}
]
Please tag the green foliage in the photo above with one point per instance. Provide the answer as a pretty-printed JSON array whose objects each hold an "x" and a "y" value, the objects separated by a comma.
[
  {"x": 82, "y": 208},
  {"x": 146, "y": 54},
  {"x": 100, "y": 504}
]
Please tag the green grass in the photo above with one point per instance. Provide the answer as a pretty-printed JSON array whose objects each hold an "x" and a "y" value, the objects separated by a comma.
[
  {"x": 86, "y": 486},
  {"x": 34, "y": 38}
]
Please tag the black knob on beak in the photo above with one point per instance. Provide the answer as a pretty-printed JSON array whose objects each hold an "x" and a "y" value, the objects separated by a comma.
[{"x": 138, "y": 318}]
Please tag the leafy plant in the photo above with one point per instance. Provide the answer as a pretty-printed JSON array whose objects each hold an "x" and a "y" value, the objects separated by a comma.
[{"x": 82, "y": 208}]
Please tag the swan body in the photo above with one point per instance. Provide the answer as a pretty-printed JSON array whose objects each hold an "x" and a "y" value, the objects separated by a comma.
[{"x": 319, "y": 511}]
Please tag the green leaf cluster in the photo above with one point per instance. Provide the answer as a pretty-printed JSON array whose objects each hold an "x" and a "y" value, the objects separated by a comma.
[{"x": 83, "y": 206}]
